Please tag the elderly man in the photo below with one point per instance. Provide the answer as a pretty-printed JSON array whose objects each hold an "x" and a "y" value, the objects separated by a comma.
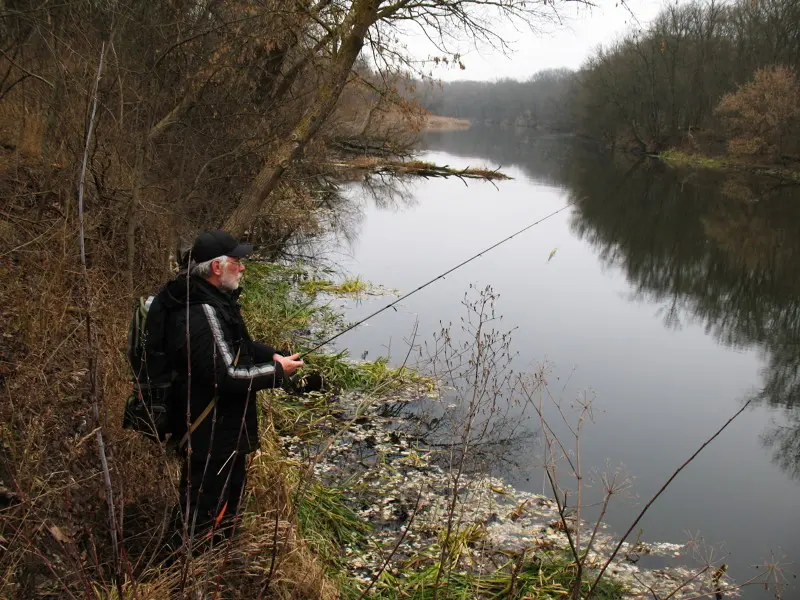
[{"x": 219, "y": 370}]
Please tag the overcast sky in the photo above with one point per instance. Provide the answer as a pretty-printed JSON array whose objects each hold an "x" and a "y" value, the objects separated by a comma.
[{"x": 565, "y": 46}]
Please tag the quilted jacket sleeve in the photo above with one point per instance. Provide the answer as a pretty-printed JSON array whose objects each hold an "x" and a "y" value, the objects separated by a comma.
[{"x": 211, "y": 354}]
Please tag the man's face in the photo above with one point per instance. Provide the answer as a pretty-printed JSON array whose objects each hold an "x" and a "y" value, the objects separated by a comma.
[{"x": 231, "y": 274}]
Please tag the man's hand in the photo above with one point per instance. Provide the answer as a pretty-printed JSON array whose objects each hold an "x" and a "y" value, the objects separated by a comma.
[{"x": 290, "y": 364}]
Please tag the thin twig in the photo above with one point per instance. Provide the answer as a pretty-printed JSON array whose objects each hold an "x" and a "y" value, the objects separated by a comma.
[
  {"x": 234, "y": 456},
  {"x": 89, "y": 338},
  {"x": 34, "y": 75},
  {"x": 661, "y": 491},
  {"x": 686, "y": 582},
  {"x": 395, "y": 548},
  {"x": 274, "y": 557},
  {"x": 597, "y": 523},
  {"x": 187, "y": 504}
]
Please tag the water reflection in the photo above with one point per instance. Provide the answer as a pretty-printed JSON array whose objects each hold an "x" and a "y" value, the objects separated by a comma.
[
  {"x": 387, "y": 191},
  {"x": 338, "y": 219},
  {"x": 717, "y": 249},
  {"x": 707, "y": 255}
]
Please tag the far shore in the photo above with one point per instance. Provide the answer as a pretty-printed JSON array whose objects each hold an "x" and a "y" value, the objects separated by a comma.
[{"x": 437, "y": 123}]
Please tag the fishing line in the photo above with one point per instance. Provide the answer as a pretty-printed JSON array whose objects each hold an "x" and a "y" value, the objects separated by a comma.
[{"x": 438, "y": 277}]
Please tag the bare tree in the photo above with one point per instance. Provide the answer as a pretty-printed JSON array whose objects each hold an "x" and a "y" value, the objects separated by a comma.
[{"x": 350, "y": 25}]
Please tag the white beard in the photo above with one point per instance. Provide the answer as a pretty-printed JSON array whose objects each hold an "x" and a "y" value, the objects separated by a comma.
[{"x": 229, "y": 280}]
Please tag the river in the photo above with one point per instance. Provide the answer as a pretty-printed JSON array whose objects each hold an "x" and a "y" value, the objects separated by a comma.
[{"x": 671, "y": 297}]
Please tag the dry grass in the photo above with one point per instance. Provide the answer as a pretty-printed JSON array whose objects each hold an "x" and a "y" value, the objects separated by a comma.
[
  {"x": 22, "y": 128},
  {"x": 240, "y": 569},
  {"x": 55, "y": 539}
]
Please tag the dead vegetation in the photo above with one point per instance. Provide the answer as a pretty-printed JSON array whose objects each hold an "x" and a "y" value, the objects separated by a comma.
[
  {"x": 417, "y": 168},
  {"x": 179, "y": 133}
]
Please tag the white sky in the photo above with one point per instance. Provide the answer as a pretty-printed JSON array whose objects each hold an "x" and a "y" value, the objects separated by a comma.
[{"x": 568, "y": 45}]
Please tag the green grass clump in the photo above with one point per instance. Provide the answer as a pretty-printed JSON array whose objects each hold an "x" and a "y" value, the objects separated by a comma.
[
  {"x": 279, "y": 301},
  {"x": 684, "y": 159},
  {"x": 544, "y": 578},
  {"x": 304, "y": 417},
  {"x": 370, "y": 377},
  {"x": 273, "y": 306},
  {"x": 327, "y": 523},
  {"x": 277, "y": 306},
  {"x": 348, "y": 287},
  {"x": 545, "y": 575}
]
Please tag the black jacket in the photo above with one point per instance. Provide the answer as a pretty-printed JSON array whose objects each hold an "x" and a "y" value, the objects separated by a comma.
[{"x": 217, "y": 359}]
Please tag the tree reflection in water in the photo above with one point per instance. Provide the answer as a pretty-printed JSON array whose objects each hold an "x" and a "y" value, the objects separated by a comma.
[{"x": 718, "y": 249}]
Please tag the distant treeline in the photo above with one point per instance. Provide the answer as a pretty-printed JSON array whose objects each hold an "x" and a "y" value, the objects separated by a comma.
[
  {"x": 703, "y": 75},
  {"x": 537, "y": 102}
]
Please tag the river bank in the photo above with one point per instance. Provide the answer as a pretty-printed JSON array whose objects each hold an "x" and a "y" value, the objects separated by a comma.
[{"x": 394, "y": 487}]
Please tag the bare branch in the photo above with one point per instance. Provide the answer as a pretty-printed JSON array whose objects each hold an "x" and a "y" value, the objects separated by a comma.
[
  {"x": 658, "y": 493},
  {"x": 26, "y": 71}
]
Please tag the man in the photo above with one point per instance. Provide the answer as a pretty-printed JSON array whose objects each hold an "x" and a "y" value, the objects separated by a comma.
[{"x": 219, "y": 370}]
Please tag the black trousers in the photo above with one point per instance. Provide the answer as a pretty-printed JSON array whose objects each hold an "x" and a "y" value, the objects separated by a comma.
[{"x": 214, "y": 491}]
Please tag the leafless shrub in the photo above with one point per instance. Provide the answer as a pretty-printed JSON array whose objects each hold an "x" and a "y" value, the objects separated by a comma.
[{"x": 763, "y": 115}]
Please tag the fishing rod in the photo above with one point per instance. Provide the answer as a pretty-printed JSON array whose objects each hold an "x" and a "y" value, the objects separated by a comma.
[{"x": 438, "y": 277}]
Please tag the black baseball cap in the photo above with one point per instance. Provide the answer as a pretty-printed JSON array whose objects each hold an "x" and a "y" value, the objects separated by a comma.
[{"x": 211, "y": 244}]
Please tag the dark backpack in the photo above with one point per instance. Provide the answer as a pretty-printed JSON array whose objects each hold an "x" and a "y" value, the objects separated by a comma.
[{"x": 149, "y": 408}]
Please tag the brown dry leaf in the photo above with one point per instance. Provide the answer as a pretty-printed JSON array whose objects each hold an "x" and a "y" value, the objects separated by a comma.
[
  {"x": 59, "y": 535},
  {"x": 518, "y": 511}
]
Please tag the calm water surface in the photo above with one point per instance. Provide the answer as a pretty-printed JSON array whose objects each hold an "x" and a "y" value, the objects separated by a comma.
[{"x": 671, "y": 297}]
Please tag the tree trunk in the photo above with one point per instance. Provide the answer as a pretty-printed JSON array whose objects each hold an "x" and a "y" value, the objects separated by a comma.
[{"x": 363, "y": 14}]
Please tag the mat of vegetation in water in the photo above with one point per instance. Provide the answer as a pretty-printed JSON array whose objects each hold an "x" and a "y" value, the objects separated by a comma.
[{"x": 393, "y": 494}]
